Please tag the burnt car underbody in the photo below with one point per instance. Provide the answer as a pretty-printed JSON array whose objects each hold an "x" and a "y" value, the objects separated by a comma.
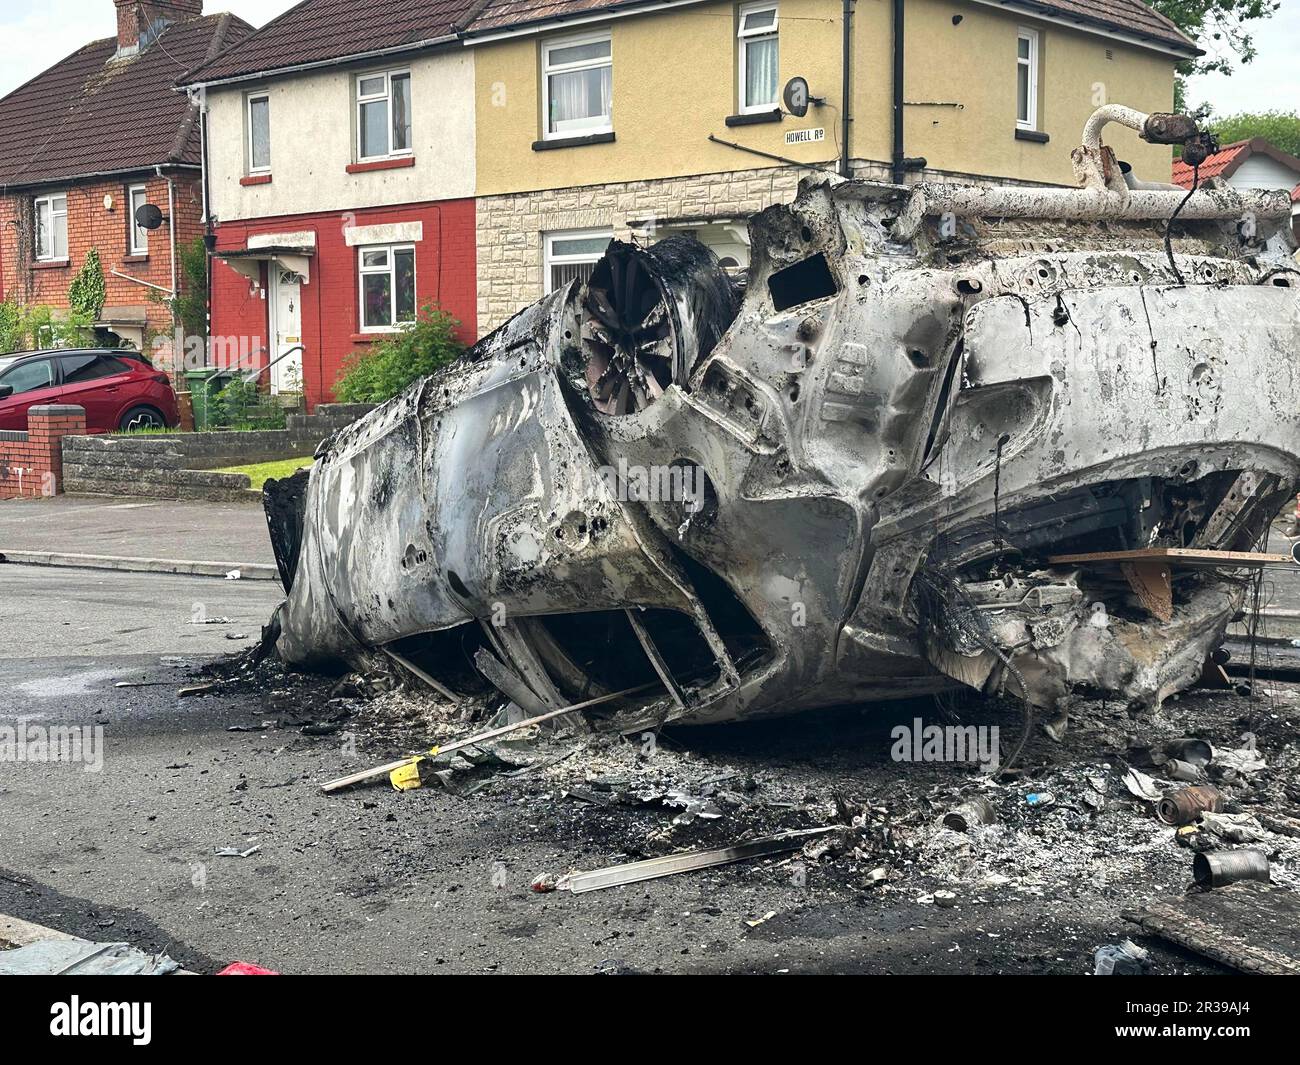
[{"x": 922, "y": 399}]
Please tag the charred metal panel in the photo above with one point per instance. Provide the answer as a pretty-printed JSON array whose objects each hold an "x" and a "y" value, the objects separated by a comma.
[{"x": 858, "y": 468}]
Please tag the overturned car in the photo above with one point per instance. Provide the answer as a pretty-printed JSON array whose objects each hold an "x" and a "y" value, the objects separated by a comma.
[{"x": 1014, "y": 439}]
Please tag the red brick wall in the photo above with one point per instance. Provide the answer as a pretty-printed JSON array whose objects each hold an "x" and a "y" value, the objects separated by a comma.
[
  {"x": 445, "y": 273},
  {"x": 24, "y": 281},
  {"x": 31, "y": 463}
]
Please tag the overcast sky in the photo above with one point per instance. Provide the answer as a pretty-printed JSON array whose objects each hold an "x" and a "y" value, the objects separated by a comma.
[{"x": 38, "y": 33}]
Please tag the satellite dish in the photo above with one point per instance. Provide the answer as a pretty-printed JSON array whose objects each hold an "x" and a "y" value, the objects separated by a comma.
[
  {"x": 796, "y": 97},
  {"x": 147, "y": 216}
]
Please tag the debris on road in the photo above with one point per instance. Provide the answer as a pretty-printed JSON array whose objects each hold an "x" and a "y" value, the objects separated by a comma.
[
  {"x": 236, "y": 852},
  {"x": 685, "y": 862},
  {"x": 78, "y": 957},
  {"x": 1222, "y": 868},
  {"x": 1121, "y": 959},
  {"x": 1186, "y": 805},
  {"x": 1248, "y": 926}
]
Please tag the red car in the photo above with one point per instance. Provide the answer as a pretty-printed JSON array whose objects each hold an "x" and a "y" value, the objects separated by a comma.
[{"x": 118, "y": 389}]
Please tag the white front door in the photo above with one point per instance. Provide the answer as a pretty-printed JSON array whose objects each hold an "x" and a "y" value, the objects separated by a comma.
[{"x": 286, "y": 329}]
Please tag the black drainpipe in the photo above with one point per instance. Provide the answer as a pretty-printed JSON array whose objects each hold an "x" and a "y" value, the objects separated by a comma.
[
  {"x": 846, "y": 100},
  {"x": 899, "y": 168}
]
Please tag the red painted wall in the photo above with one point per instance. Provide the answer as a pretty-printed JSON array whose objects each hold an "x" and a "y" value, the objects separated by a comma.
[{"x": 445, "y": 274}]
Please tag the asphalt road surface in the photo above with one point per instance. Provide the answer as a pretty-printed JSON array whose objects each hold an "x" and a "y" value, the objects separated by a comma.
[{"x": 427, "y": 881}]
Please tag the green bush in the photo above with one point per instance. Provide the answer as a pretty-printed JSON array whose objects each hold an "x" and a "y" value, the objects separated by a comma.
[
  {"x": 229, "y": 408},
  {"x": 37, "y": 326},
  {"x": 10, "y": 327},
  {"x": 241, "y": 406},
  {"x": 427, "y": 344}
]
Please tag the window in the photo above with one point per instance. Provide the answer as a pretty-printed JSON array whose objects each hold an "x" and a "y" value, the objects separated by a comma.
[
  {"x": 572, "y": 254},
  {"x": 387, "y": 287},
  {"x": 29, "y": 376},
  {"x": 259, "y": 134},
  {"x": 758, "y": 56},
  {"x": 577, "y": 84},
  {"x": 136, "y": 197},
  {"x": 1027, "y": 79},
  {"x": 383, "y": 115},
  {"x": 78, "y": 369},
  {"x": 51, "y": 227}
]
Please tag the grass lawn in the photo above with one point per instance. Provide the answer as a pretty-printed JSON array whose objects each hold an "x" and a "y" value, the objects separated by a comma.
[{"x": 260, "y": 472}]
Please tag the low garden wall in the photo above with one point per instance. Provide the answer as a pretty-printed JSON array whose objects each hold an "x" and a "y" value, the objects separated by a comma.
[{"x": 183, "y": 465}]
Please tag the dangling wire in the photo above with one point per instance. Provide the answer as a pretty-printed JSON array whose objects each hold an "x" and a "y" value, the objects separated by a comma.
[{"x": 1169, "y": 247}]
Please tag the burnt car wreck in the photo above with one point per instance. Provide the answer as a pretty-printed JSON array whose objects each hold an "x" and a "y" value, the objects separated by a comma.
[{"x": 889, "y": 461}]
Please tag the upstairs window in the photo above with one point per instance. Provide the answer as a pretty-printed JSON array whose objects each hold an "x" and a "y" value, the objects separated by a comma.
[
  {"x": 1027, "y": 79},
  {"x": 577, "y": 83},
  {"x": 259, "y": 133},
  {"x": 387, "y": 276},
  {"x": 136, "y": 197},
  {"x": 759, "y": 57},
  {"x": 383, "y": 115},
  {"x": 51, "y": 213}
]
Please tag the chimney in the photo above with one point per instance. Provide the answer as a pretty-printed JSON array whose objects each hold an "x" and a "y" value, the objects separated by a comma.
[{"x": 140, "y": 21}]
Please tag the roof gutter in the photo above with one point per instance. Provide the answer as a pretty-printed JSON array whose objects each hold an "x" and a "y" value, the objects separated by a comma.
[
  {"x": 66, "y": 179},
  {"x": 322, "y": 64},
  {"x": 1097, "y": 26},
  {"x": 532, "y": 26}
]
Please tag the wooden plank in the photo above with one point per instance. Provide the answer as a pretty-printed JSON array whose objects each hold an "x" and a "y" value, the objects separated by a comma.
[
  {"x": 473, "y": 741},
  {"x": 1179, "y": 556},
  {"x": 1153, "y": 586},
  {"x": 1248, "y": 926}
]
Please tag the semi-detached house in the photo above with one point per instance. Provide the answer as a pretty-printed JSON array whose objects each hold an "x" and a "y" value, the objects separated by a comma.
[
  {"x": 88, "y": 142},
  {"x": 340, "y": 167},
  {"x": 478, "y": 155}
]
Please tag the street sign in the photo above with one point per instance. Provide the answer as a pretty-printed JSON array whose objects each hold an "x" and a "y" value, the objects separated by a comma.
[{"x": 805, "y": 136}]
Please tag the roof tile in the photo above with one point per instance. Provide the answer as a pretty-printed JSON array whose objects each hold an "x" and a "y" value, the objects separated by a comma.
[
  {"x": 93, "y": 114},
  {"x": 320, "y": 30}
]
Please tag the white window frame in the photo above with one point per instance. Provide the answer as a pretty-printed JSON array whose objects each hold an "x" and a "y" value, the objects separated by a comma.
[
  {"x": 249, "y": 100},
  {"x": 743, "y": 38},
  {"x": 1030, "y": 121},
  {"x": 138, "y": 242},
  {"x": 390, "y": 270},
  {"x": 550, "y": 259},
  {"x": 387, "y": 97},
  {"x": 50, "y": 199},
  {"x": 601, "y": 124}
]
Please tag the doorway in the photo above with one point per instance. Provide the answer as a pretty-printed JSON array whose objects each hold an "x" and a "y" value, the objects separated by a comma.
[{"x": 286, "y": 331}]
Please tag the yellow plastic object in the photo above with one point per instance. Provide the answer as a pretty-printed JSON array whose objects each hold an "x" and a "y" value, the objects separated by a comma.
[{"x": 407, "y": 777}]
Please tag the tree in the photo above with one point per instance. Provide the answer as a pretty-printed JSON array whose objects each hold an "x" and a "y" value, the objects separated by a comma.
[
  {"x": 1280, "y": 128},
  {"x": 1221, "y": 27}
]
